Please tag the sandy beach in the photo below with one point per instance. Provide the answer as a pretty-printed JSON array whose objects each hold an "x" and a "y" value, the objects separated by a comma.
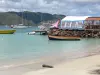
[
  {"x": 72, "y": 63},
  {"x": 80, "y": 66}
]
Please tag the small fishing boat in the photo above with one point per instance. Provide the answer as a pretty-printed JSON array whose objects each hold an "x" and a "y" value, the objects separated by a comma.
[
  {"x": 63, "y": 37},
  {"x": 7, "y": 31},
  {"x": 31, "y": 33}
]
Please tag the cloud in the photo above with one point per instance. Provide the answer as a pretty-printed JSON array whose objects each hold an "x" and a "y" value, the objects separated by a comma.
[
  {"x": 86, "y": 0},
  {"x": 14, "y": 0},
  {"x": 66, "y": 7}
]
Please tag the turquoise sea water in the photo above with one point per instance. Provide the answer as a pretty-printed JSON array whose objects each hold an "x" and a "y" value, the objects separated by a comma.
[{"x": 20, "y": 45}]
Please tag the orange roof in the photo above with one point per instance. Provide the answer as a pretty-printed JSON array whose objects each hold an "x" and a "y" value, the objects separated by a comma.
[{"x": 93, "y": 18}]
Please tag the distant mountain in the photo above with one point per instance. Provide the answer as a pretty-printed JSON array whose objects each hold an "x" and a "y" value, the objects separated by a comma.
[
  {"x": 7, "y": 18},
  {"x": 29, "y": 18}
]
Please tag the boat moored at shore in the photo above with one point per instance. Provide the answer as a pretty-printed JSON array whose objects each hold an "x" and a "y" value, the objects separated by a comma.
[
  {"x": 7, "y": 31},
  {"x": 63, "y": 37},
  {"x": 31, "y": 33},
  {"x": 19, "y": 26}
]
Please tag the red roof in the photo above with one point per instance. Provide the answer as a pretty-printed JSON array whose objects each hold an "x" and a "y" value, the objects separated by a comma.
[{"x": 93, "y": 18}]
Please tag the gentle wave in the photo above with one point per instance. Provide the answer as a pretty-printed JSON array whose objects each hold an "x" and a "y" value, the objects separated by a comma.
[{"x": 15, "y": 65}]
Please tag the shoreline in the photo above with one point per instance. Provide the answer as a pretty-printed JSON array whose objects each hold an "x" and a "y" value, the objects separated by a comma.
[
  {"x": 80, "y": 66},
  {"x": 54, "y": 60},
  {"x": 57, "y": 70}
]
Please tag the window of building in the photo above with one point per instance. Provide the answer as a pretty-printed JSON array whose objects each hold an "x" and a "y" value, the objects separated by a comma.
[{"x": 97, "y": 22}]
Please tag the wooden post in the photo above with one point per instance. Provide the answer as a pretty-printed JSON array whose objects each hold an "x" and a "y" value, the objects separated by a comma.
[{"x": 92, "y": 33}]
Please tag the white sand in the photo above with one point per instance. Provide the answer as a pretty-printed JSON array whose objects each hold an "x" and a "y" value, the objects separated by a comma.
[{"x": 81, "y": 66}]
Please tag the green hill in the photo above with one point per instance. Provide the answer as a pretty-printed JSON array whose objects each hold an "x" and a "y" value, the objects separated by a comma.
[
  {"x": 9, "y": 19},
  {"x": 28, "y": 18}
]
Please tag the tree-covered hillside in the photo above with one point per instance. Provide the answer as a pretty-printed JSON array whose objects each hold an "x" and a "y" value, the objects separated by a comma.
[{"x": 26, "y": 17}]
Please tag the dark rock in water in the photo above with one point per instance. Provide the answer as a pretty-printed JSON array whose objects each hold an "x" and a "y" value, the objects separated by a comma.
[{"x": 48, "y": 66}]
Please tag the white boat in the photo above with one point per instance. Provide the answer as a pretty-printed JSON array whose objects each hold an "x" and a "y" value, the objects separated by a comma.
[
  {"x": 31, "y": 33},
  {"x": 19, "y": 26}
]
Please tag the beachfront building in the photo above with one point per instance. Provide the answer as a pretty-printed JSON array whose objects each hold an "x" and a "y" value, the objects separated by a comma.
[
  {"x": 92, "y": 23},
  {"x": 80, "y": 22},
  {"x": 73, "y": 22},
  {"x": 83, "y": 26}
]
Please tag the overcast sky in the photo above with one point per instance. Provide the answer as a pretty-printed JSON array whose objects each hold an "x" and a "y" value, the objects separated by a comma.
[{"x": 66, "y": 7}]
